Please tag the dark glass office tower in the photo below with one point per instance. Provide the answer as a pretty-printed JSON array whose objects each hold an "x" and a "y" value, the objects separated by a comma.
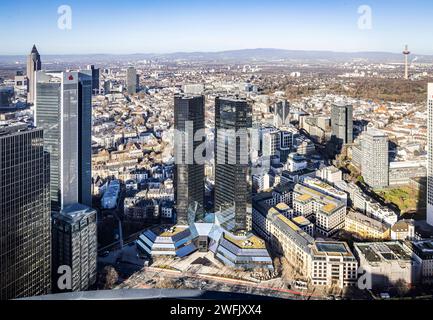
[
  {"x": 233, "y": 119},
  {"x": 75, "y": 244},
  {"x": 95, "y": 78},
  {"x": 25, "y": 232},
  {"x": 342, "y": 124},
  {"x": 189, "y": 176},
  {"x": 131, "y": 80},
  {"x": 64, "y": 110}
]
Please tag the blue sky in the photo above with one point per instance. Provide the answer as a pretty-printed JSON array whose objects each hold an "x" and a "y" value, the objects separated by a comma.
[{"x": 157, "y": 26}]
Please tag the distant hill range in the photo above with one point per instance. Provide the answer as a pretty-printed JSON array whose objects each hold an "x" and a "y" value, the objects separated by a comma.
[{"x": 245, "y": 56}]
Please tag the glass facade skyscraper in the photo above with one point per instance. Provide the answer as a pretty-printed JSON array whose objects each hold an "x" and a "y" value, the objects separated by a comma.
[
  {"x": 189, "y": 176},
  {"x": 131, "y": 80},
  {"x": 75, "y": 245},
  {"x": 64, "y": 110},
  {"x": 95, "y": 78},
  {"x": 375, "y": 159},
  {"x": 25, "y": 225},
  {"x": 342, "y": 124},
  {"x": 233, "y": 188}
]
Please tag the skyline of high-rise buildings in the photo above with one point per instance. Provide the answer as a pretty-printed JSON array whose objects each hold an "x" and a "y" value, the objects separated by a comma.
[{"x": 167, "y": 187}]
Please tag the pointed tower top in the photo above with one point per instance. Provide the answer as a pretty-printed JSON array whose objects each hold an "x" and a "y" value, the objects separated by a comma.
[{"x": 34, "y": 50}]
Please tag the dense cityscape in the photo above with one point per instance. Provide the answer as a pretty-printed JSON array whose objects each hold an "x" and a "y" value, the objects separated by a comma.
[{"x": 265, "y": 172}]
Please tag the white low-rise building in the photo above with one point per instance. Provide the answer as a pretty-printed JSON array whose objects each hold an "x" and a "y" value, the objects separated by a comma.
[
  {"x": 296, "y": 162},
  {"x": 388, "y": 263},
  {"x": 333, "y": 264},
  {"x": 330, "y": 174},
  {"x": 325, "y": 188},
  {"x": 330, "y": 213}
]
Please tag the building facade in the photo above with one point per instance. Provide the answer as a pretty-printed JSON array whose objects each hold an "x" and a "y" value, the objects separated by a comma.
[
  {"x": 282, "y": 114},
  {"x": 95, "y": 78},
  {"x": 189, "y": 117},
  {"x": 75, "y": 245},
  {"x": 34, "y": 64},
  {"x": 131, "y": 80},
  {"x": 64, "y": 110},
  {"x": 333, "y": 265},
  {"x": 329, "y": 264},
  {"x": 430, "y": 155},
  {"x": 365, "y": 227},
  {"x": 342, "y": 123},
  {"x": 387, "y": 263},
  {"x": 329, "y": 212},
  {"x": 375, "y": 160},
  {"x": 25, "y": 226},
  {"x": 233, "y": 181}
]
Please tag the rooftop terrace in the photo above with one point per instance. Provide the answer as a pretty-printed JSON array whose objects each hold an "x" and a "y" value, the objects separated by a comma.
[{"x": 252, "y": 242}]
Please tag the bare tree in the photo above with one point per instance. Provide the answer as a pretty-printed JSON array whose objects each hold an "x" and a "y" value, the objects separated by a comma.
[
  {"x": 111, "y": 277},
  {"x": 401, "y": 287}
]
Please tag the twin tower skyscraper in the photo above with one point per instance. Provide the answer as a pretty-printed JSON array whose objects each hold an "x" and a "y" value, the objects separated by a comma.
[{"x": 232, "y": 175}]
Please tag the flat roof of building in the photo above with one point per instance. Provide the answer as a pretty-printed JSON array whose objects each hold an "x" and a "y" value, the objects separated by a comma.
[
  {"x": 384, "y": 251},
  {"x": 423, "y": 248},
  {"x": 366, "y": 221},
  {"x": 250, "y": 242},
  {"x": 329, "y": 208},
  {"x": 304, "y": 197},
  {"x": 14, "y": 127},
  {"x": 168, "y": 231},
  {"x": 332, "y": 247},
  {"x": 75, "y": 212},
  {"x": 314, "y": 182},
  {"x": 301, "y": 221},
  {"x": 282, "y": 206},
  {"x": 289, "y": 223},
  {"x": 306, "y": 193}
]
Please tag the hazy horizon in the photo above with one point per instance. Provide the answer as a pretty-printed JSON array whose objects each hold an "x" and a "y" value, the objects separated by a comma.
[
  {"x": 168, "y": 26},
  {"x": 192, "y": 51}
]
